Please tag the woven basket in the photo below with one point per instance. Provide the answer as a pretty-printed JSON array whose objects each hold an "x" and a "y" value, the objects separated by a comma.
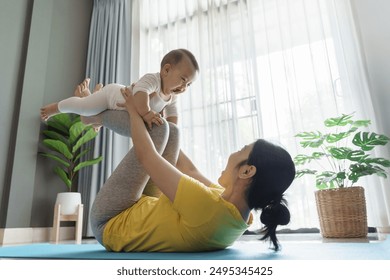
[{"x": 342, "y": 212}]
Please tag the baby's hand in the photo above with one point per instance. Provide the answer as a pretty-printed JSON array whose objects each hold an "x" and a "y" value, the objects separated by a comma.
[{"x": 151, "y": 118}]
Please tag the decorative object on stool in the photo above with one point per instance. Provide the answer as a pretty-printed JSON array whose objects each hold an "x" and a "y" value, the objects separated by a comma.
[
  {"x": 65, "y": 137},
  {"x": 69, "y": 202},
  {"x": 341, "y": 206},
  {"x": 68, "y": 207}
]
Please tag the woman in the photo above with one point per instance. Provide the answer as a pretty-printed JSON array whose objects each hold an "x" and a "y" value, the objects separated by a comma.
[{"x": 192, "y": 214}]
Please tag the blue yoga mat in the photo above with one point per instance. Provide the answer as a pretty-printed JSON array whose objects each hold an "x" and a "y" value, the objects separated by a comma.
[{"x": 241, "y": 250}]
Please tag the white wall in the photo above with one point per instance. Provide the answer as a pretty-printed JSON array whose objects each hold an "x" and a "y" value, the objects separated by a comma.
[
  {"x": 43, "y": 50},
  {"x": 373, "y": 22}
]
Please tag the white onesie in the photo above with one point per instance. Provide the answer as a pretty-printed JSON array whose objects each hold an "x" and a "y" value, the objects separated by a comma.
[{"x": 108, "y": 97}]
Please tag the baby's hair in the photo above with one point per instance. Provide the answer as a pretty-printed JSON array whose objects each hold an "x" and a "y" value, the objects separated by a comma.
[{"x": 175, "y": 56}]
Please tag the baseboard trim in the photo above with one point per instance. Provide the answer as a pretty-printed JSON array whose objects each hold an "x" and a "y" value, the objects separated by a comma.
[
  {"x": 10, "y": 236},
  {"x": 383, "y": 229}
]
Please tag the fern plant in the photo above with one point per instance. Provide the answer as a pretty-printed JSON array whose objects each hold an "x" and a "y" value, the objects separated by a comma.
[
  {"x": 64, "y": 137},
  {"x": 345, "y": 148}
]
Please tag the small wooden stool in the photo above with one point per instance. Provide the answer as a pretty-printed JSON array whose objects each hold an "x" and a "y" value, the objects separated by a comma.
[{"x": 58, "y": 218}]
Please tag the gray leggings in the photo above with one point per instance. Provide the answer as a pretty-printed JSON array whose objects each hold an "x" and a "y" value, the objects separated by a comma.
[{"x": 125, "y": 185}]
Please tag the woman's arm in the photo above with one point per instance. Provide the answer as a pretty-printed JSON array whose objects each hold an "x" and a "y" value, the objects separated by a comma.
[
  {"x": 161, "y": 171},
  {"x": 185, "y": 165}
]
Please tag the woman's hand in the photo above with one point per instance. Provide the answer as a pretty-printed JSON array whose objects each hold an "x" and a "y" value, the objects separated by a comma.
[
  {"x": 150, "y": 117},
  {"x": 129, "y": 103}
]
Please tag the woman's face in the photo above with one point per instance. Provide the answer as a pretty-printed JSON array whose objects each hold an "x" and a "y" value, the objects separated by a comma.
[{"x": 230, "y": 174}]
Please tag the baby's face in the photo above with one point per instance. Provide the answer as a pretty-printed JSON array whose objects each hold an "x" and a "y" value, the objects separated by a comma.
[{"x": 179, "y": 77}]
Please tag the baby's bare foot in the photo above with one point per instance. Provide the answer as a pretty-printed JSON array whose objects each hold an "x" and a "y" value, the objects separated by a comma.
[
  {"x": 49, "y": 111},
  {"x": 97, "y": 87},
  {"x": 82, "y": 90}
]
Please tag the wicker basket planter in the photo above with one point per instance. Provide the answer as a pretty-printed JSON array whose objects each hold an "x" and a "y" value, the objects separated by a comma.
[{"x": 342, "y": 212}]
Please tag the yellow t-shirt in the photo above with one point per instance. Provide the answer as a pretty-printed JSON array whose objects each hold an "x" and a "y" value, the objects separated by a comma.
[{"x": 198, "y": 220}]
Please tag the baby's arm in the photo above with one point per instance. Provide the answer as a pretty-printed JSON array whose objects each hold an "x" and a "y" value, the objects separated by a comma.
[
  {"x": 141, "y": 102},
  {"x": 171, "y": 112}
]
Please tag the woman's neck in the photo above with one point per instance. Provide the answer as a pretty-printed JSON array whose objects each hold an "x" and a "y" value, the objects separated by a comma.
[{"x": 238, "y": 199}]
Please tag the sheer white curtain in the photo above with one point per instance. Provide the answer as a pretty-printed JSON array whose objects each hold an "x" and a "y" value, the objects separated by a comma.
[{"x": 268, "y": 68}]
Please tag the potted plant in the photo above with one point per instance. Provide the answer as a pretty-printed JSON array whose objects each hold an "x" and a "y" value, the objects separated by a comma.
[
  {"x": 65, "y": 138},
  {"x": 343, "y": 154}
]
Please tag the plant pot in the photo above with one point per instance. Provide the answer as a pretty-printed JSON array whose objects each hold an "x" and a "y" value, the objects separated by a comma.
[
  {"x": 342, "y": 212},
  {"x": 69, "y": 202}
]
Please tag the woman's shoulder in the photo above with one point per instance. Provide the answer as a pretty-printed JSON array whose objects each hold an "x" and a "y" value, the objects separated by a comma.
[{"x": 190, "y": 182}]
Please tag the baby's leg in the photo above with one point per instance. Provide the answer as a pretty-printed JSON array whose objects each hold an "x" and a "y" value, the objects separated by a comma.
[
  {"x": 125, "y": 185},
  {"x": 49, "y": 111},
  {"x": 86, "y": 106},
  {"x": 82, "y": 90}
]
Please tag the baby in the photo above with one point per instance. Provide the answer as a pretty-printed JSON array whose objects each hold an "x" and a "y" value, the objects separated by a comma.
[{"x": 155, "y": 94}]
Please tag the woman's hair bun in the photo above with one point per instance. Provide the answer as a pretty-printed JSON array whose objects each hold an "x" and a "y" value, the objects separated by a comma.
[{"x": 275, "y": 214}]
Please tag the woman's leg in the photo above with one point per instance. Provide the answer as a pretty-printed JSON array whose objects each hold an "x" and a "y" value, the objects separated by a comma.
[
  {"x": 117, "y": 121},
  {"x": 171, "y": 154},
  {"x": 125, "y": 185}
]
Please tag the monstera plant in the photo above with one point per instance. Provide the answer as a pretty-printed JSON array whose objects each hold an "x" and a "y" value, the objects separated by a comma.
[
  {"x": 65, "y": 139},
  {"x": 346, "y": 151},
  {"x": 343, "y": 153}
]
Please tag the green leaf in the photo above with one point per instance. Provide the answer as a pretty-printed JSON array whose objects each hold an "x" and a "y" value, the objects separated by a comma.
[
  {"x": 58, "y": 146},
  {"x": 300, "y": 173},
  {"x": 84, "y": 152},
  {"x": 87, "y": 163},
  {"x": 332, "y": 138},
  {"x": 303, "y": 159},
  {"x": 311, "y": 139},
  {"x": 50, "y": 134},
  {"x": 380, "y": 161},
  {"x": 326, "y": 176},
  {"x": 358, "y": 156},
  {"x": 74, "y": 119},
  {"x": 64, "y": 176},
  {"x": 340, "y": 153},
  {"x": 88, "y": 135},
  {"x": 367, "y": 141},
  {"x": 60, "y": 122},
  {"x": 309, "y": 135},
  {"x": 326, "y": 180},
  {"x": 56, "y": 158},
  {"x": 360, "y": 170},
  {"x": 341, "y": 175},
  {"x": 339, "y": 121},
  {"x": 361, "y": 123},
  {"x": 75, "y": 131}
]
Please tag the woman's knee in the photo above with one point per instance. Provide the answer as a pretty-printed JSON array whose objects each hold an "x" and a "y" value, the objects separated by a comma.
[
  {"x": 174, "y": 134},
  {"x": 159, "y": 135}
]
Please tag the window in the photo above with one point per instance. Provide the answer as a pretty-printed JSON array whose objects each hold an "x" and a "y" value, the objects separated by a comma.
[{"x": 268, "y": 69}]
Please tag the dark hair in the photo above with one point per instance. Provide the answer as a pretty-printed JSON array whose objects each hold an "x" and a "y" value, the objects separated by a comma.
[
  {"x": 175, "y": 56},
  {"x": 275, "y": 173}
]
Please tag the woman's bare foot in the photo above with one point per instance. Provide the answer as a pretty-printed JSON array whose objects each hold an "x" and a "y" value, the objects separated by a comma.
[
  {"x": 94, "y": 121},
  {"x": 49, "y": 111},
  {"x": 82, "y": 90}
]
